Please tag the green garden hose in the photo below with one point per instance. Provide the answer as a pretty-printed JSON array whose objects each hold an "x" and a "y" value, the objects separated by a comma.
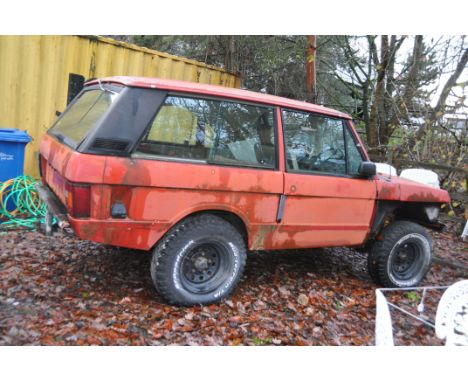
[{"x": 20, "y": 206}]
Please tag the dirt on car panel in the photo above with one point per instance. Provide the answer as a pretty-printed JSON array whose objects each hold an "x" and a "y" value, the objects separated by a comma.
[
  {"x": 416, "y": 192},
  {"x": 130, "y": 172},
  {"x": 167, "y": 192},
  {"x": 425, "y": 196},
  {"x": 156, "y": 173},
  {"x": 157, "y": 209},
  {"x": 87, "y": 231},
  {"x": 323, "y": 236},
  {"x": 140, "y": 235},
  {"x": 73, "y": 166},
  {"x": 150, "y": 204},
  {"x": 388, "y": 190},
  {"x": 279, "y": 237},
  {"x": 261, "y": 237},
  {"x": 136, "y": 235}
]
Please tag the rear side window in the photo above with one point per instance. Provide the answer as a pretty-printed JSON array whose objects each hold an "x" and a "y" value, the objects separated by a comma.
[
  {"x": 75, "y": 123},
  {"x": 220, "y": 132}
]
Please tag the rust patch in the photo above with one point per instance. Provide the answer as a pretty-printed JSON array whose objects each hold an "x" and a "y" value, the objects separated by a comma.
[
  {"x": 224, "y": 178},
  {"x": 284, "y": 239},
  {"x": 123, "y": 234},
  {"x": 136, "y": 173},
  {"x": 427, "y": 197},
  {"x": 410, "y": 191},
  {"x": 388, "y": 191},
  {"x": 261, "y": 236},
  {"x": 256, "y": 188},
  {"x": 86, "y": 230}
]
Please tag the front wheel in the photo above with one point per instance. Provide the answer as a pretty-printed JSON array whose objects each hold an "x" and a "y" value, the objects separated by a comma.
[
  {"x": 402, "y": 257},
  {"x": 199, "y": 261}
]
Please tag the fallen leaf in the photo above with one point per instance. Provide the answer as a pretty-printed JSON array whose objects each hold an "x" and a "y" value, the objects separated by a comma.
[{"x": 303, "y": 300}]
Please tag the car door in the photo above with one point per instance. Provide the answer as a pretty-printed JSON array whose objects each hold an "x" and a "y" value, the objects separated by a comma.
[{"x": 326, "y": 203}]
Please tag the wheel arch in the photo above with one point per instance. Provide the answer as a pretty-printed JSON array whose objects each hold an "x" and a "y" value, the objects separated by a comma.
[
  {"x": 388, "y": 211},
  {"x": 238, "y": 220}
]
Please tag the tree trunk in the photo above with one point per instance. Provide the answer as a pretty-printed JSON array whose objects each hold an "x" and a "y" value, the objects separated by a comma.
[
  {"x": 230, "y": 63},
  {"x": 310, "y": 69},
  {"x": 377, "y": 118}
]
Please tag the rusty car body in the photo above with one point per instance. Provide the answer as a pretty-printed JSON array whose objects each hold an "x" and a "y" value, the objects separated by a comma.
[{"x": 283, "y": 173}]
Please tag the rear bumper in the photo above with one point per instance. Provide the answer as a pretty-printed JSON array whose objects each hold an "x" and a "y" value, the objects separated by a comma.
[
  {"x": 126, "y": 233},
  {"x": 55, "y": 208},
  {"x": 118, "y": 232}
]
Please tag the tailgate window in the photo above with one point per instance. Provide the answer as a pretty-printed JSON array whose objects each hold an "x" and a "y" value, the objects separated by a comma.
[{"x": 78, "y": 120}]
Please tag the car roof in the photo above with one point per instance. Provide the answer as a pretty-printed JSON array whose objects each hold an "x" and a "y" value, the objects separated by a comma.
[{"x": 218, "y": 91}]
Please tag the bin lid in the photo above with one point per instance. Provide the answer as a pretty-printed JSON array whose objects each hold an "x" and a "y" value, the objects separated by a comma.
[{"x": 13, "y": 135}]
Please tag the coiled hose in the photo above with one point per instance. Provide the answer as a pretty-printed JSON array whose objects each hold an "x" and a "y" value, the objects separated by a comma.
[{"x": 20, "y": 206}]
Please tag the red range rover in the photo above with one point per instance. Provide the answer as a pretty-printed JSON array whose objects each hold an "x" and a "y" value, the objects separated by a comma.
[{"x": 200, "y": 174}]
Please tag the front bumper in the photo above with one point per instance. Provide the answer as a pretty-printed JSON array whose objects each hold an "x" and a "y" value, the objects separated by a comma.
[{"x": 54, "y": 209}]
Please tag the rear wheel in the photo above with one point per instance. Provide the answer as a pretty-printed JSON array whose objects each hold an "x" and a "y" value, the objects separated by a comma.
[
  {"x": 199, "y": 261},
  {"x": 402, "y": 257}
]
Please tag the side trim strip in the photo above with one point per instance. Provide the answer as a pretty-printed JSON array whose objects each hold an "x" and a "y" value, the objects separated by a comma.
[{"x": 281, "y": 205}]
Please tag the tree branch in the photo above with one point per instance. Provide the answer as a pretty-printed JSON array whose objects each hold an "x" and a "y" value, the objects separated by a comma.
[{"x": 449, "y": 85}]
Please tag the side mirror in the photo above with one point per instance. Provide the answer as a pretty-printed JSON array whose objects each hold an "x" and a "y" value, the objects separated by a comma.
[{"x": 367, "y": 169}]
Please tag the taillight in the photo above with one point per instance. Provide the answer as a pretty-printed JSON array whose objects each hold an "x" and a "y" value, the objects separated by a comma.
[
  {"x": 42, "y": 168},
  {"x": 78, "y": 199}
]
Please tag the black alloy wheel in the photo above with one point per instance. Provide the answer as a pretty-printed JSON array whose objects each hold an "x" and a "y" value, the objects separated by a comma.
[
  {"x": 402, "y": 256},
  {"x": 199, "y": 261}
]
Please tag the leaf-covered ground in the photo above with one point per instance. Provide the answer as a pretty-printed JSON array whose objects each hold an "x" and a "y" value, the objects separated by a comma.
[{"x": 62, "y": 291}]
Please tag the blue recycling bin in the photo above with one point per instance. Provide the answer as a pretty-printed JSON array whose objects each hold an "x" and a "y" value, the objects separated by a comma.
[{"x": 12, "y": 144}]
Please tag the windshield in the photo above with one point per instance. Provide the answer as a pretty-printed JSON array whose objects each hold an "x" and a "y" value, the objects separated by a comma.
[{"x": 77, "y": 121}]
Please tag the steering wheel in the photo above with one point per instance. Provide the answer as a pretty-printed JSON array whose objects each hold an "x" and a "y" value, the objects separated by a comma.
[
  {"x": 332, "y": 153},
  {"x": 328, "y": 155}
]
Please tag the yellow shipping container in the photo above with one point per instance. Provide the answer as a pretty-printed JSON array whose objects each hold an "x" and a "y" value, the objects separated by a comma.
[{"x": 35, "y": 73}]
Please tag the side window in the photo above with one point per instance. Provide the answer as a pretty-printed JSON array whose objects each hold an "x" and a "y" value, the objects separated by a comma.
[
  {"x": 354, "y": 156},
  {"x": 245, "y": 134},
  {"x": 216, "y": 131},
  {"x": 183, "y": 128},
  {"x": 314, "y": 143}
]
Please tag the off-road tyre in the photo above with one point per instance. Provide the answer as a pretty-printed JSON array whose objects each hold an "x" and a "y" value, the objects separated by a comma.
[
  {"x": 199, "y": 261},
  {"x": 401, "y": 256}
]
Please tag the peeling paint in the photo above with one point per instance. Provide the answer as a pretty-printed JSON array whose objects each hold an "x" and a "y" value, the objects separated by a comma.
[{"x": 408, "y": 191}]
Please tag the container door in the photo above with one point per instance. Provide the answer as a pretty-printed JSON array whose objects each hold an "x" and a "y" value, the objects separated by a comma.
[{"x": 326, "y": 203}]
